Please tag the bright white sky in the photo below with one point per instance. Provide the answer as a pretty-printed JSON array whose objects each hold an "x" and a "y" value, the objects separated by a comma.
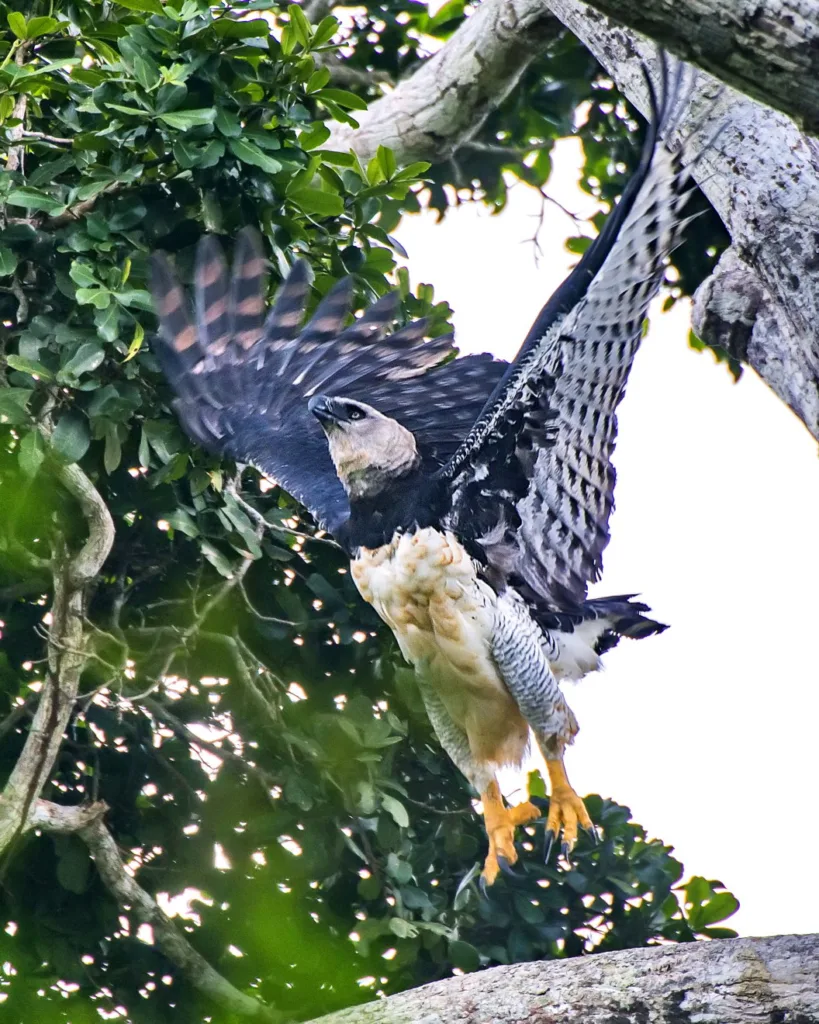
[{"x": 707, "y": 732}]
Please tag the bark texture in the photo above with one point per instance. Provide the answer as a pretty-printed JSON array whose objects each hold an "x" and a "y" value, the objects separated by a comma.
[
  {"x": 447, "y": 100},
  {"x": 767, "y": 49},
  {"x": 761, "y": 175},
  {"x": 738, "y": 981}
]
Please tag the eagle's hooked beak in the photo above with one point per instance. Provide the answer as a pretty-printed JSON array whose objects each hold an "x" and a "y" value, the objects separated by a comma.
[{"x": 328, "y": 411}]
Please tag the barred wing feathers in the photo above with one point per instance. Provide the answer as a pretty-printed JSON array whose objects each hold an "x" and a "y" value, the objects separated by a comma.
[
  {"x": 242, "y": 379},
  {"x": 533, "y": 482}
]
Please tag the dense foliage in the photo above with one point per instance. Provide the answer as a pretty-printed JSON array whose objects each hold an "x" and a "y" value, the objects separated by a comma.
[{"x": 242, "y": 714}]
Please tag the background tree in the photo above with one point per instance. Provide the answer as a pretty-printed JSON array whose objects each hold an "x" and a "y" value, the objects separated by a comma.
[{"x": 192, "y": 693}]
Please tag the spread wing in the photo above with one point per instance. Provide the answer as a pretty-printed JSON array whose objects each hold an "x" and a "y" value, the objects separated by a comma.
[
  {"x": 533, "y": 482},
  {"x": 242, "y": 378}
]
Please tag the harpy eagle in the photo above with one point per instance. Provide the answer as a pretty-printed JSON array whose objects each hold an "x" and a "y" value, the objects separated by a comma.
[{"x": 473, "y": 495}]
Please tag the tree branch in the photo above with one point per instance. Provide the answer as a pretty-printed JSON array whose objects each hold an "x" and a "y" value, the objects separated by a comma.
[
  {"x": 762, "y": 177},
  {"x": 450, "y": 96},
  {"x": 66, "y": 654},
  {"x": 768, "y": 49},
  {"x": 86, "y": 821},
  {"x": 733, "y": 981}
]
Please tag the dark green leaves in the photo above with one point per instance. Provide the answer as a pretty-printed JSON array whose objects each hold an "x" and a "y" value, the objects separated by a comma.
[
  {"x": 183, "y": 120},
  {"x": 249, "y": 153},
  {"x": 315, "y": 201},
  {"x": 71, "y": 437}
]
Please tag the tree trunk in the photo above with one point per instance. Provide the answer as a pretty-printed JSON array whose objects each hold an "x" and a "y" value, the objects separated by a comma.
[
  {"x": 760, "y": 174},
  {"x": 449, "y": 97},
  {"x": 768, "y": 49},
  {"x": 762, "y": 177},
  {"x": 736, "y": 981}
]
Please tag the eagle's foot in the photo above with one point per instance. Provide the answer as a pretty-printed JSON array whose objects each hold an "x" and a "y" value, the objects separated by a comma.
[
  {"x": 500, "y": 822},
  {"x": 566, "y": 810}
]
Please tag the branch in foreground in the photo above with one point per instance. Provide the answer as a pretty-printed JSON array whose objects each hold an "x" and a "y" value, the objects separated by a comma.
[
  {"x": 66, "y": 654},
  {"x": 732, "y": 981},
  {"x": 768, "y": 50},
  {"x": 450, "y": 96},
  {"x": 86, "y": 821}
]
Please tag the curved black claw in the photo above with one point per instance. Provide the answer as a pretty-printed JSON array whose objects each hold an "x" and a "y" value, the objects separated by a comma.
[
  {"x": 593, "y": 834},
  {"x": 483, "y": 885},
  {"x": 548, "y": 842},
  {"x": 507, "y": 868},
  {"x": 565, "y": 851}
]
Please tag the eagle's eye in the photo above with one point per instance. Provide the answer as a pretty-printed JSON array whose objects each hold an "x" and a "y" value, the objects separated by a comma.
[{"x": 356, "y": 414}]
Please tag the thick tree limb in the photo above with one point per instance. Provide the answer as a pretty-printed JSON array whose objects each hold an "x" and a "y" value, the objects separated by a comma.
[
  {"x": 449, "y": 97},
  {"x": 735, "y": 981},
  {"x": 86, "y": 821},
  {"x": 766, "y": 49},
  {"x": 761, "y": 174},
  {"x": 762, "y": 177}
]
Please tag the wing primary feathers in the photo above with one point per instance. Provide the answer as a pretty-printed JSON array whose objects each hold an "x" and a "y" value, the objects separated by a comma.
[
  {"x": 538, "y": 460},
  {"x": 212, "y": 297},
  {"x": 247, "y": 291}
]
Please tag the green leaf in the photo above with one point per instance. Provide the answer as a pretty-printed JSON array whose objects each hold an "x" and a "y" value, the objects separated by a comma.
[
  {"x": 396, "y": 809},
  {"x": 82, "y": 275},
  {"x": 106, "y": 321},
  {"x": 228, "y": 123},
  {"x": 324, "y": 31},
  {"x": 257, "y": 28},
  {"x": 302, "y": 28},
  {"x": 718, "y": 908},
  {"x": 386, "y": 160},
  {"x": 464, "y": 955},
  {"x": 249, "y": 153},
  {"x": 17, "y": 24},
  {"x": 579, "y": 244},
  {"x": 71, "y": 436},
  {"x": 31, "y": 453},
  {"x": 29, "y": 366},
  {"x": 183, "y": 521},
  {"x": 314, "y": 137},
  {"x": 345, "y": 99},
  {"x": 537, "y": 787},
  {"x": 148, "y": 6},
  {"x": 40, "y": 27},
  {"x": 314, "y": 200},
  {"x": 13, "y": 405},
  {"x": 217, "y": 559},
  {"x": 34, "y": 199},
  {"x": 319, "y": 78},
  {"x": 185, "y": 119},
  {"x": 87, "y": 358},
  {"x": 98, "y": 297},
  {"x": 112, "y": 455},
  {"x": 8, "y": 261}
]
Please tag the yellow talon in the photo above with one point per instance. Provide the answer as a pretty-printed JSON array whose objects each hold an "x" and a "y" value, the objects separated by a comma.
[
  {"x": 500, "y": 822},
  {"x": 566, "y": 809}
]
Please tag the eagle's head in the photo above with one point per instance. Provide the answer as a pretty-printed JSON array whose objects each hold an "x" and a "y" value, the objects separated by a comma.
[{"x": 369, "y": 450}]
